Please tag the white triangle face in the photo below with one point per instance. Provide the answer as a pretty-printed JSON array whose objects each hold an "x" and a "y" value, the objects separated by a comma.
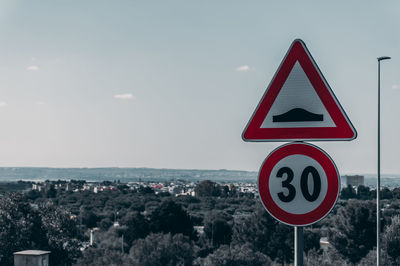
[{"x": 297, "y": 104}]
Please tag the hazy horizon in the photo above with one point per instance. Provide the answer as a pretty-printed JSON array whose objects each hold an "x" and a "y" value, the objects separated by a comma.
[{"x": 188, "y": 169}]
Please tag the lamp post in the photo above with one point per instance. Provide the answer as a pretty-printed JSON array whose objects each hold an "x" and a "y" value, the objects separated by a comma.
[{"x": 378, "y": 185}]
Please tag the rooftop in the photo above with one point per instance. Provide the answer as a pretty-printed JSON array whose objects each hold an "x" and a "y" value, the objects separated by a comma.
[{"x": 32, "y": 252}]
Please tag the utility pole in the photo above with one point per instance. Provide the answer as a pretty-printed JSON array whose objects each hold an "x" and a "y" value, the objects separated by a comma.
[
  {"x": 378, "y": 183},
  {"x": 122, "y": 244}
]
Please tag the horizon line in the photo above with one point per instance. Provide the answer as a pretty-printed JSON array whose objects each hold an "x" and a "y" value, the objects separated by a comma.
[{"x": 163, "y": 168}]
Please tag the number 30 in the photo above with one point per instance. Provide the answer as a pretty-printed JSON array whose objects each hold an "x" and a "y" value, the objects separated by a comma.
[{"x": 303, "y": 184}]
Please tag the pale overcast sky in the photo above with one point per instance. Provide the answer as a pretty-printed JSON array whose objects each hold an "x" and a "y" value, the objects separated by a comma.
[{"x": 172, "y": 84}]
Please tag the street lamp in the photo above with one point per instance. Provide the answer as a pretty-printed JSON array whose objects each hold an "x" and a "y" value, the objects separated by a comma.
[{"x": 378, "y": 185}]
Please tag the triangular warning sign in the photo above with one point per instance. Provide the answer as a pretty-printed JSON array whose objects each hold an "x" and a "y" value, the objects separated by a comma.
[{"x": 298, "y": 104}]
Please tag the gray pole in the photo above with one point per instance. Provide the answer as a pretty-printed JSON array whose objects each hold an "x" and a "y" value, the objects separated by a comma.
[
  {"x": 122, "y": 244},
  {"x": 378, "y": 184},
  {"x": 298, "y": 246}
]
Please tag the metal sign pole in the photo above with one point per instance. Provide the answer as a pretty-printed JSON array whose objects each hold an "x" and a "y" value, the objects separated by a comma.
[{"x": 298, "y": 246}]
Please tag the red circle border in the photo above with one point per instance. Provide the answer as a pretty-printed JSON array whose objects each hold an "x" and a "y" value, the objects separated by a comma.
[{"x": 332, "y": 175}]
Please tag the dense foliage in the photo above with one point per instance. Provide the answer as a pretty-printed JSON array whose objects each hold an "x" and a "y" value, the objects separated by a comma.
[
  {"x": 220, "y": 226},
  {"x": 27, "y": 226},
  {"x": 354, "y": 233}
]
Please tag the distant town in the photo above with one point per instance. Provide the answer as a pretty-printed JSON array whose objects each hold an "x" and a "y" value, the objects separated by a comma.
[{"x": 176, "y": 187}]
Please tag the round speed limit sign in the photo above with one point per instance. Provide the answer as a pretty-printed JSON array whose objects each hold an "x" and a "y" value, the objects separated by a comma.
[{"x": 298, "y": 184}]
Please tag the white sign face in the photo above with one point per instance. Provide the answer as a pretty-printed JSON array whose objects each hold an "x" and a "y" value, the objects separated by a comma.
[
  {"x": 298, "y": 184},
  {"x": 297, "y": 104}
]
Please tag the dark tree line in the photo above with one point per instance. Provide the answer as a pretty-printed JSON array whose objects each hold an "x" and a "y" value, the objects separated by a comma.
[
  {"x": 222, "y": 227},
  {"x": 365, "y": 193}
]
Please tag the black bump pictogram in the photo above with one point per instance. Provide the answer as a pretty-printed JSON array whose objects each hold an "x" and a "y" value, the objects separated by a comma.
[{"x": 297, "y": 115}]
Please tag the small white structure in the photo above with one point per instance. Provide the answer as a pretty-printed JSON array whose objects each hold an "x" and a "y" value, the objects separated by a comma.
[
  {"x": 91, "y": 238},
  {"x": 31, "y": 258}
]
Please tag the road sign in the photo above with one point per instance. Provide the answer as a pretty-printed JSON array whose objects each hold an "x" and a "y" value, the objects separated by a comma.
[
  {"x": 298, "y": 104},
  {"x": 298, "y": 184}
]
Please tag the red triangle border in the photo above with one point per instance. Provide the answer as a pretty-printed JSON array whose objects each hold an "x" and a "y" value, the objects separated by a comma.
[{"x": 344, "y": 130}]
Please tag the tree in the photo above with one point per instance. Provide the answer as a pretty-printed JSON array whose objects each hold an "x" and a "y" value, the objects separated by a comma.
[
  {"x": 354, "y": 229},
  {"x": 90, "y": 219},
  {"x": 396, "y": 193},
  {"x": 100, "y": 256},
  {"x": 281, "y": 243},
  {"x": 47, "y": 227},
  {"x": 207, "y": 188},
  {"x": 18, "y": 225},
  {"x": 235, "y": 256},
  {"x": 162, "y": 250},
  {"x": 265, "y": 234},
  {"x": 111, "y": 239},
  {"x": 391, "y": 241},
  {"x": 311, "y": 240},
  {"x": 348, "y": 193},
  {"x": 123, "y": 188},
  {"x": 169, "y": 217},
  {"x": 386, "y": 193},
  {"x": 61, "y": 234},
  {"x": 363, "y": 193},
  {"x": 218, "y": 229},
  {"x": 33, "y": 194},
  {"x": 225, "y": 191},
  {"x": 330, "y": 257},
  {"x": 136, "y": 226},
  {"x": 146, "y": 190},
  {"x": 255, "y": 229},
  {"x": 51, "y": 192},
  {"x": 105, "y": 223},
  {"x": 370, "y": 259}
]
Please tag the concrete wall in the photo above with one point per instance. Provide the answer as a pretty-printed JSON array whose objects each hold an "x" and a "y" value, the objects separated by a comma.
[{"x": 31, "y": 260}]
